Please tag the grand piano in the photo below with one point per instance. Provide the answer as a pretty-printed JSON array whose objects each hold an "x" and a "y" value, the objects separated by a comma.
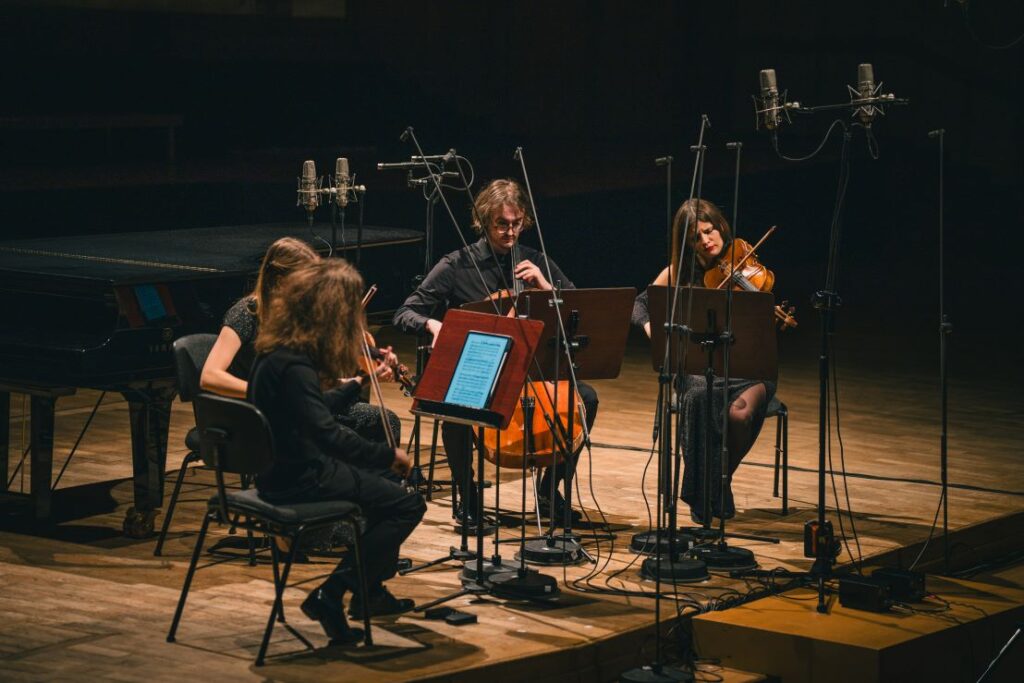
[{"x": 101, "y": 312}]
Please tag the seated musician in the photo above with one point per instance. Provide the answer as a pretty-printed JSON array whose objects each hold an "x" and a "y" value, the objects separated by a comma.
[
  {"x": 227, "y": 368},
  {"x": 310, "y": 334},
  {"x": 709, "y": 235},
  {"x": 500, "y": 217}
]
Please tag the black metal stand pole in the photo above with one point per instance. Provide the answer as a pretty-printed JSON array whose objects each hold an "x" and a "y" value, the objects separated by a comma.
[{"x": 945, "y": 329}]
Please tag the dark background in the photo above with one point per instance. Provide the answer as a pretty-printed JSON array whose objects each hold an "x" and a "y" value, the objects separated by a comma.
[{"x": 593, "y": 92}]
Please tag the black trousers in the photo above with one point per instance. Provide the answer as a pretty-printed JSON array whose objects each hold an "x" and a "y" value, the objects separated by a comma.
[
  {"x": 458, "y": 444},
  {"x": 391, "y": 514}
]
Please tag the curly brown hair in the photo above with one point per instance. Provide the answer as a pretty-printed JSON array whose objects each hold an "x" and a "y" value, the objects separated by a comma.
[
  {"x": 498, "y": 193},
  {"x": 282, "y": 257},
  {"x": 317, "y": 310},
  {"x": 689, "y": 214}
]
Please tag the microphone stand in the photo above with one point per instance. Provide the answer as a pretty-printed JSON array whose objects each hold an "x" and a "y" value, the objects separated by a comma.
[
  {"x": 565, "y": 548},
  {"x": 668, "y": 564},
  {"x": 945, "y": 329},
  {"x": 719, "y": 555}
]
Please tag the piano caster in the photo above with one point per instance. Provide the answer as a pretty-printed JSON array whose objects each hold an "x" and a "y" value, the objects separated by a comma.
[{"x": 138, "y": 523}]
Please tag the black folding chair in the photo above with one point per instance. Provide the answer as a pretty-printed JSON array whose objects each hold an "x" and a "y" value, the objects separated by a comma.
[
  {"x": 190, "y": 353},
  {"x": 235, "y": 438}
]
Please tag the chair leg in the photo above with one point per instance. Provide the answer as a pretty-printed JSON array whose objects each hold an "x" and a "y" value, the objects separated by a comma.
[
  {"x": 190, "y": 457},
  {"x": 278, "y": 607},
  {"x": 433, "y": 460},
  {"x": 778, "y": 453},
  {"x": 364, "y": 594},
  {"x": 188, "y": 576},
  {"x": 784, "y": 417},
  {"x": 275, "y": 556}
]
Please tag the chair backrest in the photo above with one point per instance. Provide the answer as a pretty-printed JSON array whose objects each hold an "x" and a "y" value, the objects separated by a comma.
[
  {"x": 234, "y": 438},
  {"x": 190, "y": 353}
]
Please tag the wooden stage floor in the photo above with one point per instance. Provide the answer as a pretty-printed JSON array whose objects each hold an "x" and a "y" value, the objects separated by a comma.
[{"x": 81, "y": 602}]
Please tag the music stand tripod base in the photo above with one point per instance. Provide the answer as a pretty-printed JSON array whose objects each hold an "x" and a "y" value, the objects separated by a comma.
[
  {"x": 679, "y": 570},
  {"x": 646, "y": 542},
  {"x": 490, "y": 569},
  {"x": 724, "y": 557},
  {"x": 524, "y": 585},
  {"x": 553, "y": 551}
]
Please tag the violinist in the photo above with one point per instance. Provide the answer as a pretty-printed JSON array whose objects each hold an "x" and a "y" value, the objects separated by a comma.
[
  {"x": 501, "y": 216},
  {"x": 709, "y": 236},
  {"x": 227, "y": 368},
  {"x": 312, "y": 333}
]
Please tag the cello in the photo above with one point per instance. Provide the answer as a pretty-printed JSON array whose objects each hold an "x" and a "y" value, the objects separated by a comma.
[{"x": 544, "y": 436}]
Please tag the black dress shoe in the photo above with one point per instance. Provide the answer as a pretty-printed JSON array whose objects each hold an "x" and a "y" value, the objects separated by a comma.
[
  {"x": 382, "y": 603},
  {"x": 326, "y": 607},
  {"x": 545, "y": 509}
]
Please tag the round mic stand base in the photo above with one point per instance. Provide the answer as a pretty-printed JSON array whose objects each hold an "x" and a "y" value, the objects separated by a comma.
[
  {"x": 490, "y": 567},
  {"x": 650, "y": 674},
  {"x": 646, "y": 543},
  {"x": 679, "y": 570},
  {"x": 721, "y": 556},
  {"x": 522, "y": 584},
  {"x": 552, "y": 551}
]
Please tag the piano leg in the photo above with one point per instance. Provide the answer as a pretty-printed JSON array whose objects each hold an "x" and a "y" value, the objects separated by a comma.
[
  {"x": 42, "y": 454},
  {"x": 149, "y": 410}
]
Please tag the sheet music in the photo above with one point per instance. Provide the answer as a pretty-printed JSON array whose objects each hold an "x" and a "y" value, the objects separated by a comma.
[{"x": 476, "y": 374}]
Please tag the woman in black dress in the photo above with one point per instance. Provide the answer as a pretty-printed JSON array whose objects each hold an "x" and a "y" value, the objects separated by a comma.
[
  {"x": 708, "y": 235},
  {"x": 311, "y": 335},
  {"x": 227, "y": 368}
]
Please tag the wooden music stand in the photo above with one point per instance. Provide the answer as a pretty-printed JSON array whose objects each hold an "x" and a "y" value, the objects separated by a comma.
[
  {"x": 754, "y": 353},
  {"x": 429, "y": 402},
  {"x": 430, "y": 392}
]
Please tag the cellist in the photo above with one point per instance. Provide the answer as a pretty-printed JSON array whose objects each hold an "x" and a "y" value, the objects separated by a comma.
[{"x": 500, "y": 217}]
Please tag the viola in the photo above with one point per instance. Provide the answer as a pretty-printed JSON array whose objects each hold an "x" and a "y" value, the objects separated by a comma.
[{"x": 738, "y": 264}]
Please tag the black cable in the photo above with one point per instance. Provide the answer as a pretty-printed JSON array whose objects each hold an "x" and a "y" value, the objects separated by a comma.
[{"x": 969, "y": 24}]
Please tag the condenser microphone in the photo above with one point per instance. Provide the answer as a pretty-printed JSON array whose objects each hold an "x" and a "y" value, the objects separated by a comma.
[
  {"x": 342, "y": 182},
  {"x": 769, "y": 100},
  {"x": 308, "y": 197},
  {"x": 866, "y": 91}
]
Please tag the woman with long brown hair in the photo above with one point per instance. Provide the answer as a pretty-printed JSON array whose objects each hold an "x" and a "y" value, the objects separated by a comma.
[
  {"x": 227, "y": 368},
  {"x": 708, "y": 236},
  {"x": 311, "y": 335}
]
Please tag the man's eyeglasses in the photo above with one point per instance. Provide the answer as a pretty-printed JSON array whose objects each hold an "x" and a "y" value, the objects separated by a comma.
[{"x": 503, "y": 227}]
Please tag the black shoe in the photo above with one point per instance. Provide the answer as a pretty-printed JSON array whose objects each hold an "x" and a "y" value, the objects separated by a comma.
[
  {"x": 545, "y": 509},
  {"x": 326, "y": 607},
  {"x": 469, "y": 521},
  {"x": 382, "y": 603}
]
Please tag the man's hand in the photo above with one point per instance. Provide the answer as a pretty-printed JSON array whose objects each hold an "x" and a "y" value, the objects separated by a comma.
[
  {"x": 402, "y": 464},
  {"x": 531, "y": 274},
  {"x": 434, "y": 328}
]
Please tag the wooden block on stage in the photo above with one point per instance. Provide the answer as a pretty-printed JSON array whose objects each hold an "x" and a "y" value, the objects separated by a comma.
[{"x": 786, "y": 638}]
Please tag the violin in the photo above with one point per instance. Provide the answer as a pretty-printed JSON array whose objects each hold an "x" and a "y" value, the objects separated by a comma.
[
  {"x": 738, "y": 264},
  {"x": 543, "y": 449}
]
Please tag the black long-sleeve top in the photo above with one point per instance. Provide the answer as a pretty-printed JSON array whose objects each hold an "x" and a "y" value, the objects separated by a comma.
[
  {"x": 641, "y": 305},
  {"x": 309, "y": 444},
  {"x": 454, "y": 282}
]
